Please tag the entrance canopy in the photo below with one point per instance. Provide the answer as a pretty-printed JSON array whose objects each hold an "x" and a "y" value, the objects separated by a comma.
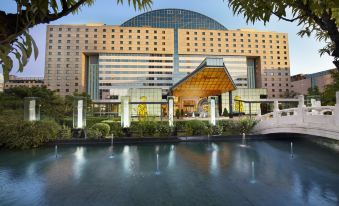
[{"x": 211, "y": 78}]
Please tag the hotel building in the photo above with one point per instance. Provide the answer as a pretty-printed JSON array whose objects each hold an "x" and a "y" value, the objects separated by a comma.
[{"x": 155, "y": 50}]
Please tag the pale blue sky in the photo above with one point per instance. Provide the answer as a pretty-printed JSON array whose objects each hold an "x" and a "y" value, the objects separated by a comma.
[{"x": 304, "y": 56}]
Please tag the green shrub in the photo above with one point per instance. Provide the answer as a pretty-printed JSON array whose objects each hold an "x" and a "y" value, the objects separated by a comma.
[
  {"x": 90, "y": 120},
  {"x": 196, "y": 127},
  {"x": 64, "y": 133},
  {"x": 103, "y": 128},
  {"x": 180, "y": 125},
  {"x": 244, "y": 125},
  {"x": 227, "y": 126},
  {"x": 145, "y": 128},
  {"x": 116, "y": 129},
  {"x": 93, "y": 134},
  {"x": 215, "y": 130},
  {"x": 163, "y": 129},
  {"x": 25, "y": 135}
]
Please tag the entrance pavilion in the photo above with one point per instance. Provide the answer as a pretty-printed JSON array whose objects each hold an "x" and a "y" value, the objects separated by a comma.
[{"x": 193, "y": 93}]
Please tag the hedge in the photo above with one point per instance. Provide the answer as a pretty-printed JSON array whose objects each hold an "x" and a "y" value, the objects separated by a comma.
[{"x": 25, "y": 135}]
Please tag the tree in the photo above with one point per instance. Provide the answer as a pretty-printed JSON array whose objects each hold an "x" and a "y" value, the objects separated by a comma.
[
  {"x": 225, "y": 112},
  {"x": 15, "y": 40},
  {"x": 313, "y": 91},
  {"x": 328, "y": 96},
  {"x": 318, "y": 17}
]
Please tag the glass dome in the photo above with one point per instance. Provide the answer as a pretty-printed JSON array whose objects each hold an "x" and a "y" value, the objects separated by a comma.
[{"x": 174, "y": 18}]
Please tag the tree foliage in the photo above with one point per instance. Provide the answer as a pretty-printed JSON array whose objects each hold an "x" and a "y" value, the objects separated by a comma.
[
  {"x": 15, "y": 40},
  {"x": 53, "y": 106},
  {"x": 328, "y": 96},
  {"x": 319, "y": 17},
  {"x": 313, "y": 91}
]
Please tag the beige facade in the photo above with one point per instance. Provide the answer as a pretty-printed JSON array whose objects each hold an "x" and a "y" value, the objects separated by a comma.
[
  {"x": 14, "y": 81},
  {"x": 148, "y": 49}
]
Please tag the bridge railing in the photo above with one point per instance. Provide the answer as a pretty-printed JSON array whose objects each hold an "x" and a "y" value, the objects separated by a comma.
[
  {"x": 317, "y": 114},
  {"x": 315, "y": 120}
]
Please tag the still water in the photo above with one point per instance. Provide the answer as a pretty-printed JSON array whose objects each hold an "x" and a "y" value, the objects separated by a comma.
[{"x": 220, "y": 173}]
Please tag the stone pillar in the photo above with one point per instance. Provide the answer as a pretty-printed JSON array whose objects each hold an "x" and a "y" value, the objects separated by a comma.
[
  {"x": 314, "y": 104},
  {"x": 125, "y": 112},
  {"x": 170, "y": 100},
  {"x": 31, "y": 109},
  {"x": 212, "y": 108},
  {"x": 275, "y": 109},
  {"x": 301, "y": 106},
  {"x": 301, "y": 101},
  {"x": 276, "y": 106},
  {"x": 336, "y": 110},
  {"x": 79, "y": 112}
]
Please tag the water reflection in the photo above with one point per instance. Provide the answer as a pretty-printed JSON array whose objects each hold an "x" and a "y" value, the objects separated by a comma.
[
  {"x": 79, "y": 162},
  {"x": 214, "y": 164},
  {"x": 223, "y": 175},
  {"x": 171, "y": 158}
]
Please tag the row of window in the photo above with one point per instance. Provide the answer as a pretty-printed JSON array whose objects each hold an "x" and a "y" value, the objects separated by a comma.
[
  {"x": 103, "y": 36},
  {"x": 136, "y": 66},
  {"x": 236, "y": 40},
  {"x": 280, "y": 90},
  {"x": 132, "y": 72},
  {"x": 112, "y": 48},
  {"x": 64, "y": 59},
  {"x": 164, "y": 32},
  {"x": 135, "y": 60},
  {"x": 143, "y": 55},
  {"x": 65, "y": 66},
  {"x": 235, "y": 45},
  {"x": 135, "y": 78},
  {"x": 233, "y": 34},
  {"x": 105, "y": 30},
  {"x": 273, "y": 79},
  {"x": 274, "y": 85},
  {"x": 274, "y": 74}
]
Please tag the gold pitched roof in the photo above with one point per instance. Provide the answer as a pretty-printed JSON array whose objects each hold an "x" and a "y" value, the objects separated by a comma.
[{"x": 211, "y": 78}]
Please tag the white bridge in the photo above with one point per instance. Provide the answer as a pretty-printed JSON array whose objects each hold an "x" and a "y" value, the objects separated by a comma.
[{"x": 315, "y": 120}]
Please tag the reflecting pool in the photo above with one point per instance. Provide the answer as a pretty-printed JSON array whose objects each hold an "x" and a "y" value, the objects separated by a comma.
[{"x": 219, "y": 173}]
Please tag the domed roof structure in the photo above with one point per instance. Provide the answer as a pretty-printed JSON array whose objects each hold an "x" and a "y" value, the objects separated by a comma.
[{"x": 174, "y": 18}]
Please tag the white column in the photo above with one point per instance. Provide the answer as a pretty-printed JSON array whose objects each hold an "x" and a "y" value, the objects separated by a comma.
[
  {"x": 170, "y": 100},
  {"x": 212, "y": 110},
  {"x": 336, "y": 109},
  {"x": 314, "y": 104},
  {"x": 31, "y": 110},
  {"x": 125, "y": 112},
  {"x": 301, "y": 101},
  {"x": 80, "y": 112},
  {"x": 275, "y": 110},
  {"x": 301, "y": 106}
]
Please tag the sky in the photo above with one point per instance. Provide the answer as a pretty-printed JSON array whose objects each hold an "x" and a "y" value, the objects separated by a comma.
[{"x": 304, "y": 56}]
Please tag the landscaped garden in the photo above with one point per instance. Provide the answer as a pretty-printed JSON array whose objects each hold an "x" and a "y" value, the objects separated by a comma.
[{"x": 57, "y": 121}]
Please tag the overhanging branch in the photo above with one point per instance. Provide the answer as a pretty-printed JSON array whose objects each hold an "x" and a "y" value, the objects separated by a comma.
[{"x": 285, "y": 19}]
